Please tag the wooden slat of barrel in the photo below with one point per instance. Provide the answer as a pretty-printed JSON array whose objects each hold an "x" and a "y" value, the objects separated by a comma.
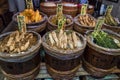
[
  {"x": 81, "y": 72},
  {"x": 43, "y": 72}
]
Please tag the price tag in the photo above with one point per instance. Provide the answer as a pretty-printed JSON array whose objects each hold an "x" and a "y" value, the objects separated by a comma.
[
  {"x": 29, "y": 4},
  {"x": 21, "y": 23},
  {"x": 99, "y": 24},
  {"x": 61, "y": 23},
  {"x": 109, "y": 9},
  {"x": 59, "y": 11},
  {"x": 84, "y": 9}
]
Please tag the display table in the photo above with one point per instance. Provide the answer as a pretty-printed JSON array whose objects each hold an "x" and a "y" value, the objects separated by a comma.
[{"x": 43, "y": 72}]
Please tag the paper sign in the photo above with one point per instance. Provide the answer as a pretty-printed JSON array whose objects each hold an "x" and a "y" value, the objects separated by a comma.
[
  {"x": 61, "y": 23},
  {"x": 84, "y": 9},
  {"x": 99, "y": 24},
  {"x": 109, "y": 9},
  {"x": 59, "y": 11},
  {"x": 29, "y": 4},
  {"x": 21, "y": 23}
]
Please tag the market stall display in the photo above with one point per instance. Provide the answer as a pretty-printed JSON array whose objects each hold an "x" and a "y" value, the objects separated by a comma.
[
  {"x": 103, "y": 47},
  {"x": 66, "y": 51},
  {"x": 35, "y": 20},
  {"x": 43, "y": 74}
]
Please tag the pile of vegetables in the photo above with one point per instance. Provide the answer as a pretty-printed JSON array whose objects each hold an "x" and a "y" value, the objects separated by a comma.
[
  {"x": 54, "y": 20},
  {"x": 31, "y": 15},
  {"x": 17, "y": 42},
  {"x": 62, "y": 39},
  {"x": 103, "y": 39},
  {"x": 59, "y": 15},
  {"x": 109, "y": 19},
  {"x": 87, "y": 20}
]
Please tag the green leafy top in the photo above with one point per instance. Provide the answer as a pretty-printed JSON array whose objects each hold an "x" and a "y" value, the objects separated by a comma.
[{"x": 102, "y": 38}]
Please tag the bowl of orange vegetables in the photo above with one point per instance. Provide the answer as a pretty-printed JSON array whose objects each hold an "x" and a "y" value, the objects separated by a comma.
[{"x": 35, "y": 20}]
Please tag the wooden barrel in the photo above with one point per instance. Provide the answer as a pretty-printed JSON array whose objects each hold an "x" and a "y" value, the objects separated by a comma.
[
  {"x": 81, "y": 28},
  {"x": 70, "y": 8},
  {"x": 52, "y": 26},
  {"x": 62, "y": 64},
  {"x": 49, "y": 8},
  {"x": 97, "y": 60},
  {"x": 118, "y": 62},
  {"x": 35, "y": 26},
  {"x": 24, "y": 66},
  {"x": 90, "y": 9},
  {"x": 113, "y": 28}
]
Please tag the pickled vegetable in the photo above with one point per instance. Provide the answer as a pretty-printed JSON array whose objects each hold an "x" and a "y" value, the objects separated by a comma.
[
  {"x": 17, "y": 42},
  {"x": 31, "y": 15},
  {"x": 64, "y": 39},
  {"x": 54, "y": 20},
  {"x": 87, "y": 20}
]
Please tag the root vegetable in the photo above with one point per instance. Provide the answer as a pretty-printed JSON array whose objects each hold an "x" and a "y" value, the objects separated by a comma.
[
  {"x": 74, "y": 37},
  {"x": 17, "y": 42},
  {"x": 55, "y": 37},
  {"x": 64, "y": 40},
  {"x": 86, "y": 20},
  {"x": 51, "y": 39}
]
